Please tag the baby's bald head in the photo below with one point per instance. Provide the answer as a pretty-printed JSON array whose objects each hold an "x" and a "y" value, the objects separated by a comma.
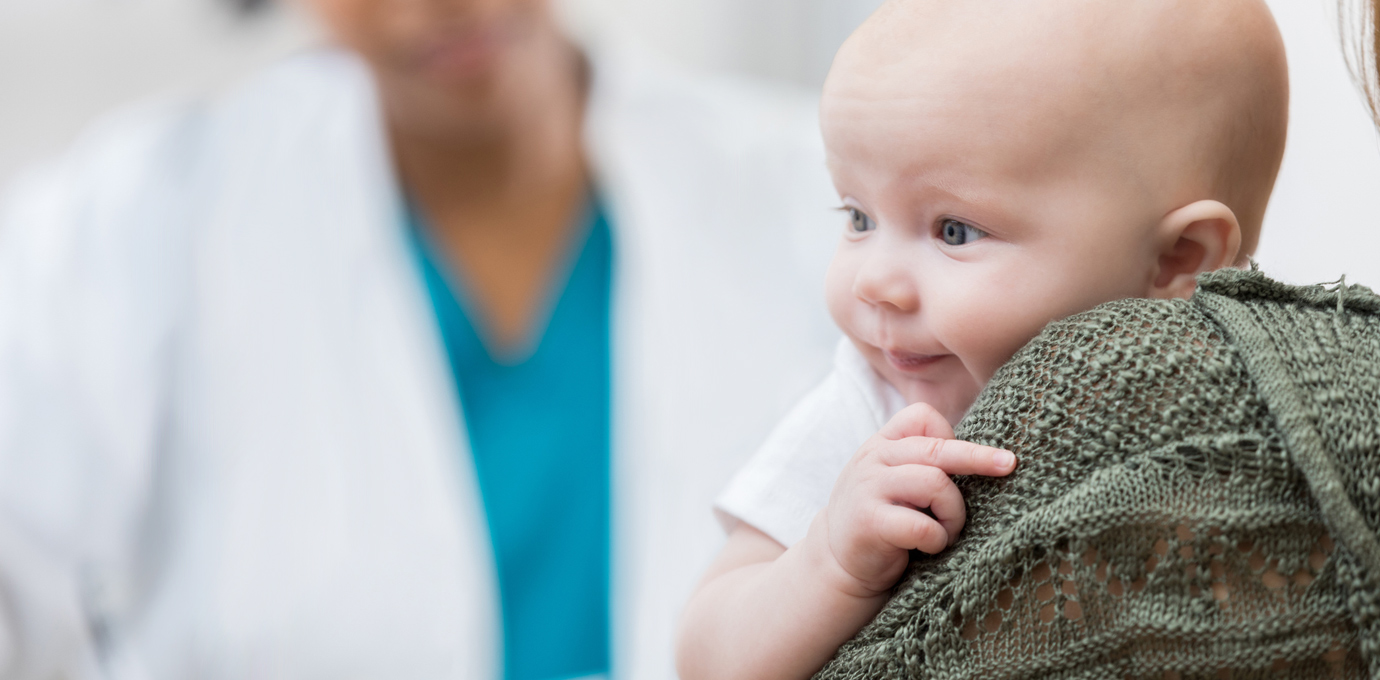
[
  {"x": 1006, "y": 163},
  {"x": 1181, "y": 100}
]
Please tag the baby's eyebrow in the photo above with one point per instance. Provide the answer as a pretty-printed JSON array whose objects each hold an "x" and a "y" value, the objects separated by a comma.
[{"x": 982, "y": 209}]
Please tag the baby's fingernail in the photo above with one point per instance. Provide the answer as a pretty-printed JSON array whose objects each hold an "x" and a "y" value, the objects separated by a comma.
[{"x": 1004, "y": 459}]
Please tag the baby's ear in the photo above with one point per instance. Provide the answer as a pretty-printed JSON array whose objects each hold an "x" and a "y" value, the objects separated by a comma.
[{"x": 1194, "y": 239}]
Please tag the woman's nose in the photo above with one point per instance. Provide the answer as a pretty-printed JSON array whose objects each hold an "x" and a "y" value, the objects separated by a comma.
[{"x": 886, "y": 280}]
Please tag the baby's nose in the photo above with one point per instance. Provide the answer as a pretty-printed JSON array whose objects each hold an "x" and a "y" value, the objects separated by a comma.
[{"x": 886, "y": 280}]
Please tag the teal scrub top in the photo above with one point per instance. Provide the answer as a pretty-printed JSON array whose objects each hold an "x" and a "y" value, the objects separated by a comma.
[{"x": 539, "y": 435}]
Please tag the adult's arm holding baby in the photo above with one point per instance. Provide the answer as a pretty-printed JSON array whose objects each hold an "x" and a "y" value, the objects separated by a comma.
[
  {"x": 1192, "y": 495},
  {"x": 764, "y": 611}
]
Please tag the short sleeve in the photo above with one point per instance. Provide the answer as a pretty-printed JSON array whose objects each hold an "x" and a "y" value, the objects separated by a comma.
[{"x": 788, "y": 481}]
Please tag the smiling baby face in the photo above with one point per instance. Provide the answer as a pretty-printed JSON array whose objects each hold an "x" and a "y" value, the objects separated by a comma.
[{"x": 1003, "y": 165}]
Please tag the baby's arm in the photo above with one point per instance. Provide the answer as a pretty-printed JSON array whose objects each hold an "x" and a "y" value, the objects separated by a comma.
[{"x": 765, "y": 612}]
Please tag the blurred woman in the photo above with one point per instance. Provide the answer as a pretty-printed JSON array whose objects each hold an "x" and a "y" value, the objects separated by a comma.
[
  {"x": 1361, "y": 31},
  {"x": 414, "y": 359}
]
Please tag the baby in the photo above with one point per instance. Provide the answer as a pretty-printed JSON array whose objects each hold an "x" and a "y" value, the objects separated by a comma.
[{"x": 1002, "y": 165}]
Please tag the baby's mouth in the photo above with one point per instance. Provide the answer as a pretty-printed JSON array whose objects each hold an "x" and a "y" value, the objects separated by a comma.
[{"x": 910, "y": 361}]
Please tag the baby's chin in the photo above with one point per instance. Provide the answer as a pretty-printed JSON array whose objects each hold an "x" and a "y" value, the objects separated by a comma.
[{"x": 951, "y": 391}]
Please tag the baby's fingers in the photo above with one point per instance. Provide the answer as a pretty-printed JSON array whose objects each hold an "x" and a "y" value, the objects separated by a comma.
[
  {"x": 910, "y": 529},
  {"x": 920, "y": 486},
  {"x": 917, "y": 420},
  {"x": 953, "y": 456}
]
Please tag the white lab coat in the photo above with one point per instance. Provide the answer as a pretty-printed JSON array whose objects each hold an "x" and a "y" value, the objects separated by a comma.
[{"x": 229, "y": 444}]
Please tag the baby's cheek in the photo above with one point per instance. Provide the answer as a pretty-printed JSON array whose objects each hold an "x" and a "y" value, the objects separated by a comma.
[
  {"x": 993, "y": 338},
  {"x": 838, "y": 293}
]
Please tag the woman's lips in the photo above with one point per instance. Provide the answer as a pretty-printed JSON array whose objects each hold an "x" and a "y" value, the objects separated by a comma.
[
  {"x": 466, "y": 55},
  {"x": 910, "y": 361}
]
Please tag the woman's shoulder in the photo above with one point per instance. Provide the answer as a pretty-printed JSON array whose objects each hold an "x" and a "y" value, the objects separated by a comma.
[
  {"x": 736, "y": 114},
  {"x": 676, "y": 151},
  {"x": 150, "y": 151},
  {"x": 128, "y": 143},
  {"x": 1253, "y": 287},
  {"x": 1192, "y": 336},
  {"x": 112, "y": 198},
  {"x": 118, "y": 210},
  {"x": 1246, "y": 358},
  {"x": 1110, "y": 383}
]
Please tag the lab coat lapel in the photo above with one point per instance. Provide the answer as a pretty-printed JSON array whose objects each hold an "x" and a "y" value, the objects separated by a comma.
[
  {"x": 717, "y": 200},
  {"x": 632, "y": 300}
]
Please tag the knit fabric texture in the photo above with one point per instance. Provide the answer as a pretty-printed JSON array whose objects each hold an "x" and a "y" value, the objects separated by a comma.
[{"x": 1197, "y": 497}]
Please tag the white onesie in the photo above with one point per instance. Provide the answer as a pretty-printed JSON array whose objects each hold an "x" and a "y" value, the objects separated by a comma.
[{"x": 788, "y": 481}]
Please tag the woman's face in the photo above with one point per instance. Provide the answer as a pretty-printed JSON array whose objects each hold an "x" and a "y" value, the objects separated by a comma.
[{"x": 450, "y": 44}]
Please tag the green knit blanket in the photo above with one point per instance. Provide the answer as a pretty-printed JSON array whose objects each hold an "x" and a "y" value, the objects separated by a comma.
[{"x": 1198, "y": 497}]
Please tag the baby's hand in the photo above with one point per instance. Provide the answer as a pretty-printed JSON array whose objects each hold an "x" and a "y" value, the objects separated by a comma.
[{"x": 873, "y": 518}]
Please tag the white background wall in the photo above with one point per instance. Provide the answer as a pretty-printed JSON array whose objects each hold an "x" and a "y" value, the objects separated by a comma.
[
  {"x": 64, "y": 61},
  {"x": 1324, "y": 220}
]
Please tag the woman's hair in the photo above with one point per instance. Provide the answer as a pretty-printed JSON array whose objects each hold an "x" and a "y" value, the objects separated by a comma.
[
  {"x": 1360, "y": 24},
  {"x": 246, "y": 7}
]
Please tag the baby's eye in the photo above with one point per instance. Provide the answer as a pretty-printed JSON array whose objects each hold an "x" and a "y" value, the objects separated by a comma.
[
  {"x": 957, "y": 233},
  {"x": 859, "y": 222}
]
